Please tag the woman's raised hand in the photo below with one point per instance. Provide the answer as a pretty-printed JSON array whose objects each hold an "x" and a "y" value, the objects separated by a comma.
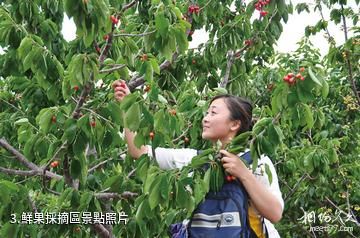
[{"x": 120, "y": 90}]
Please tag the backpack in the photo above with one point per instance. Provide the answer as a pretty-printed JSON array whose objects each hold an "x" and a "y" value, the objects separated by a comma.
[{"x": 223, "y": 213}]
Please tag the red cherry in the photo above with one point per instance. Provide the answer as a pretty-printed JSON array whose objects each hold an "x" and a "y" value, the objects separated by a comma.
[
  {"x": 193, "y": 61},
  {"x": 54, "y": 164},
  {"x": 106, "y": 37},
  {"x": 292, "y": 80},
  {"x": 92, "y": 123},
  {"x": 97, "y": 48},
  {"x": 286, "y": 78},
  {"x": 76, "y": 88},
  {"x": 144, "y": 57},
  {"x": 173, "y": 112},
  {"x": 191, "y": 9},
  {"x": 248, "y": 42},
  {"x": 298, "y": 76},
  {"x": 151, "y": 135},
  {"x": 228, "y": 178},
  {"x": 302, "y": 78},
  {"x": 233, "y": 177},
  {"x": 53, "y": 119},
  {"x": 263, "y": 13},
  {"x": 147, "y": 88},
  {"x": 197, "y": 9},
  {"x": 114, "y": 20},
  {"x": 302, "y": 69}
]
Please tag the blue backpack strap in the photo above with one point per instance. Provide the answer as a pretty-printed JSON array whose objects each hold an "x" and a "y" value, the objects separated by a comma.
[{"x": 247, "y": 157}]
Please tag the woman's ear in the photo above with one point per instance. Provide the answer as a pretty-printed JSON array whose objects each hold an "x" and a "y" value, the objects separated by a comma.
[{"x": 235, "y": 125}]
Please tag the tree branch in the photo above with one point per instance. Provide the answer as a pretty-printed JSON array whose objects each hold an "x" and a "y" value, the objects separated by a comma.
[
  {"x": 183, "y": 134},
  {"x": 87, "y": 89},
  {"x": 295, "y": 187},
  {"x": 330, "y": 38},
  {"x": 33, "y": 205},
  {"x": 134, "y": 35},
  {"x": 137, "y": 80},
  {"x": 351, "y": 77},
  {"x": 117, "y": 67},
  {"x": 21, "y": 158},
  {"x": 129, "y": 5},
  {"x": 230, "y": 61},
  {"x": 19, "y": 172},
  {"x": 101, "y": 231},
  {"x": 102, "y": 162},
  {"x": 124, "y": 195}
]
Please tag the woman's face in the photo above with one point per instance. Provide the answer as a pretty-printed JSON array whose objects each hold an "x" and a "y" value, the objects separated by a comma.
[{"x": 217, "y": 124}]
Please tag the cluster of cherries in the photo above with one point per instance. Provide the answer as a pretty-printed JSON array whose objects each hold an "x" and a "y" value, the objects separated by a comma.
[
  {"x": 193, "y": 9},
  {"x": 290, "y": 78},
  {"x": 259, "y": 6}
]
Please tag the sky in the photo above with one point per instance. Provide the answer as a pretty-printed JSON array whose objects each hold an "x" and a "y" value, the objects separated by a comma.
[{"x": 293, "y": 30}]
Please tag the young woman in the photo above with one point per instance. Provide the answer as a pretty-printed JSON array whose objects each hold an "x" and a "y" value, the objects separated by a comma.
[{"x": 227, "y": 116}]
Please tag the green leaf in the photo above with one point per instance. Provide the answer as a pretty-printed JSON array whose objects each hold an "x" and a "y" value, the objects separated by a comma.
[
  {"x": 254, "y": 155},
  {"x": 221, "y": 90},
  {"x": 70, "y": 130},
  {"x": 44, "y": 119},
  {"x": 80, "y": 143},
  {"x": 114, "y": 183},
  {"x": 128, "y": 101},
  {"x": 207, "y": 180},
  {"x": 10, "y": 230},
  {"x": 324, "y": 89},
  {"x": 313, "y": 77},
  {"x": 75, "y": 168},
  {"x": 268, "y": 172},
  {"x": 139, "y": 140},
  {"x": 154, "y": 196},
  {"x": 181, "y": 195},
  {"x": 116, "y": 113},
  {"x": 333, "y": 157},
  {"x": 132, "y": 117},
  {"x": 21, "y": 121},
  {"x": 308, "y": 116},
  {"x": 65, "y": 196},
  {"x": 155, "y": 65},
  {"x": 149, "y": 72},
  {"x": 161, "y": 23},
  {"x": 162, "y": 99},
  {"x": 85, "y": 201},
  {"x": 4, "y": 184}
]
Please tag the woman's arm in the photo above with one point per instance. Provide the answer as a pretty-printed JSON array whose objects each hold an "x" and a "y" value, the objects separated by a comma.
[
  {"x": 134, "y": 151},
  {"x": 267, "y": 204},
  {"x": 120, "y": 91}
]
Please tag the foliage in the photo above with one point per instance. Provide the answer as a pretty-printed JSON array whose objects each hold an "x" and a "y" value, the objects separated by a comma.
[{"x": 57, "y": 104}]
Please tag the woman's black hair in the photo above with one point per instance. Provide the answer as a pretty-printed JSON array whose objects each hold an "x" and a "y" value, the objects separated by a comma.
[{"x": 240, "y": 109}]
